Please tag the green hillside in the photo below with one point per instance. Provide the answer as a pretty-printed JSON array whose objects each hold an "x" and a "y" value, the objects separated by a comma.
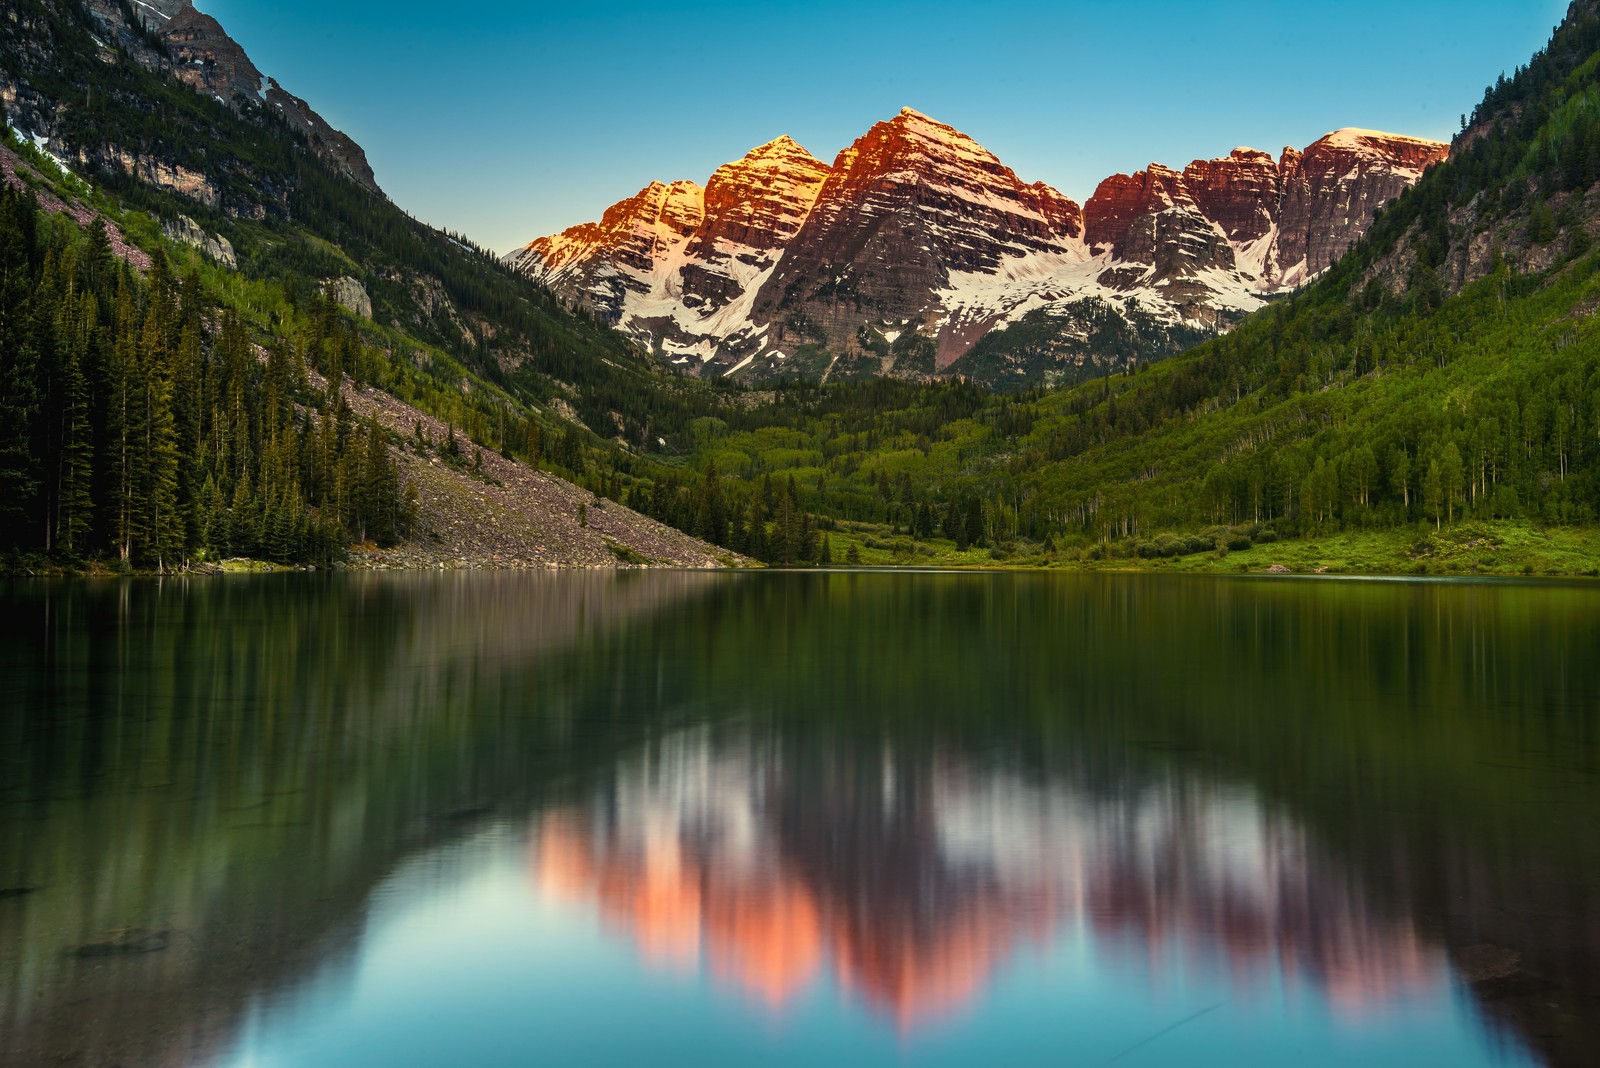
[{"x": 1446, "y": 371}]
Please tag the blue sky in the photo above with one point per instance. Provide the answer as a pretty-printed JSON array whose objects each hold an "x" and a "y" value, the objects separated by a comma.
[{"x": 507, "y": 121}]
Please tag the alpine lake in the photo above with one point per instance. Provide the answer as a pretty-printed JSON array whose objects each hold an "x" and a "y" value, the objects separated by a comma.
[{"x": 826, "y": 818}]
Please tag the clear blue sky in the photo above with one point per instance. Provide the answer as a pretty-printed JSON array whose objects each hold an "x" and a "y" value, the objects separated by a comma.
[{"x": 508, "y": 121}]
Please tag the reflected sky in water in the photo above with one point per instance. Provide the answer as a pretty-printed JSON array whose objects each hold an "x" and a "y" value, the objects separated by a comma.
[{"x": 798, "y": 819}]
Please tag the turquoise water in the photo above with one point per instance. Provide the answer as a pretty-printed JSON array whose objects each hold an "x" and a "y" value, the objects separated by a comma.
[{"x": 794, "y": 819}]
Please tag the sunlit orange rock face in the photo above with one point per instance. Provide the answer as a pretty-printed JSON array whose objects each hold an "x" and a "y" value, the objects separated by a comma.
[
  {"x": 910, "y": 880},
  {"x": 916, "y": 231}
]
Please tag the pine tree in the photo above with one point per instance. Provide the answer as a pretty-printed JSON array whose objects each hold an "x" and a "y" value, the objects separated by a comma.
[
  {"x": 126, "y": 425},
  {"x": 806, "y": 550},
  {"x": 379, "y": 489},
  {"x": 75, "y": 505},
  {"x": 974, "y": 524},
  {"x": 711, "y": 508},
  {"x": 19, "y": 368},
  {"x": 952, "y": 524},
  {"x": 784, "y": 533},
  {"x": 213, "y": 532},
  {"x": 160, "y": 523}
]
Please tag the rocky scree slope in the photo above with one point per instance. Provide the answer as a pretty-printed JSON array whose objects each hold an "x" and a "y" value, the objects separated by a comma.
[
  {"x": 492, "y": 512},
  {"x": 917, "y": 243}
]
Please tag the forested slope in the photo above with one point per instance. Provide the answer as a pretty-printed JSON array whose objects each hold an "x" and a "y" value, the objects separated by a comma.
[
  {"x": 171, "y": 350},
  {"x": 1447, "y": 369}
]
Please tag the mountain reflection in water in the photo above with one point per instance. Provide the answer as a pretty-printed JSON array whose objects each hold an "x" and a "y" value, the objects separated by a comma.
[
  {"x": 911, "y": 874},
  {"x": 319, "y": 820}
]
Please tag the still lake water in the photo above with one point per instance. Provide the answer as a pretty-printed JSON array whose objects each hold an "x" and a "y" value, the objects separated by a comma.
[{"x": 798, "y": 819}]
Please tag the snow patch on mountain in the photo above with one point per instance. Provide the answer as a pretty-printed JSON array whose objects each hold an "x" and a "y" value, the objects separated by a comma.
[{"x": 918, "y": 228}]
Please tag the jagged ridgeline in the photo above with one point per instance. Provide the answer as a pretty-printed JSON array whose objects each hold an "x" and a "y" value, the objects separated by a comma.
[{"x": 919, "y": 254}]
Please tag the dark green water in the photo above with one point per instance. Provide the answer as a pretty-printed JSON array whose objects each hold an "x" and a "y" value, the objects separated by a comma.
[{"x": 684, "y": 819}]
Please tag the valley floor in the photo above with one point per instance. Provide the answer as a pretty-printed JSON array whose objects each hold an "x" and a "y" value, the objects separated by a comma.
[{"x": 1505, "y": 547}]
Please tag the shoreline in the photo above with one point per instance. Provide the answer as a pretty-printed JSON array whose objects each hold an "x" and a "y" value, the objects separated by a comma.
[{"x": 1120, "y": 567}]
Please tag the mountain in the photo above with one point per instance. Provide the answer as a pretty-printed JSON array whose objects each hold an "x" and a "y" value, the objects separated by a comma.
[
  {"x": 204, "y": 57},
  {"x": 173, "y": 37},
  {"x": 306, "y": 365},
  {"x": 1430, "y": 402},
  {"x": 917, "y": 244},
  {"x": 682, "y": 262}
]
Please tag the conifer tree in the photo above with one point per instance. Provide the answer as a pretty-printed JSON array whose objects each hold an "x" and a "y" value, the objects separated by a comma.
[
  {"x": 711, "y": 508},
  {"x": 159, "y": 524},
  {"x": 75, "y": 505},
  {"x": 19, "y": 368},
  {"x": 125, "y": 418}
]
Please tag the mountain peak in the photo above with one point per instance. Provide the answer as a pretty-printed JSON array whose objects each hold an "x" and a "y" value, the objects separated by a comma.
[
  {"x": 1355, "y": 135},
  {"x": 912, "y": 119},
  {"x": 204, "y": 57},
  {"x": 1411, "y": 154},
  {"x": 914, "y": 123},
  {"x": 917, "y": 223},
  {"x": 780, "y": 148}
]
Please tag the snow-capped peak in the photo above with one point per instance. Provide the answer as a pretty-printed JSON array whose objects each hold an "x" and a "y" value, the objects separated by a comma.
[{"x": 918, "y": 229}]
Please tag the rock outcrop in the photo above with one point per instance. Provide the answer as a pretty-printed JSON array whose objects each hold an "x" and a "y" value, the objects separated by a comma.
[
  {"x": 189, "y": 232},
  {"x": 350, "y": 295},
  {"x": 1336, "y": 185},
  {"x": 917, "y": 243}
]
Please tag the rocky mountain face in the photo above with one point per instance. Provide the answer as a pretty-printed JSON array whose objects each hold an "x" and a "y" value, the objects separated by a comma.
[
  {"x": 917, "y": 251},
  {"x": 195, "y": 49},
  {"x": 206, "y": 58},
  {"x": 684, "y": 263}
]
